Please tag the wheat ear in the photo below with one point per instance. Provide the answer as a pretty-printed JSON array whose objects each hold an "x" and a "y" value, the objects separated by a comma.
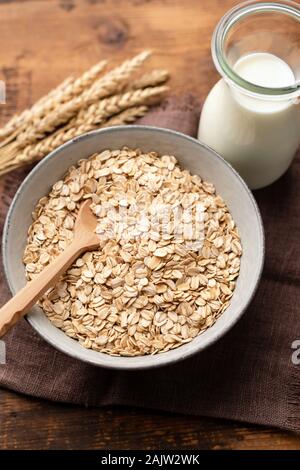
[
  {"x": 18, "y": 119},
  {"x": 107, "y": 85},
  {"x": 126, "y": 117},
  {"x": 154, "y": 78},
  {"x": 68, "y": 90},
  {"x": 97, "y": 112},
  {"x": 91, "y": 119}
]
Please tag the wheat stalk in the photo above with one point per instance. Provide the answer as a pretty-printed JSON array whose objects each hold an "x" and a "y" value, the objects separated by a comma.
[
  {"x": 8, "y": 168},
  {"x": 110, "y": 106},
  {"x": 154, "y": 78},
  {"x": 126, "y": 117},
  {"x": 78, "y": 106},
  {"x": 86, "y": 121},
  {"x": 115, "y": 80},
  {"x": 18, "y": 119},
  {"x": 108, "y": 85},
  {"x": 83, "y": 82},
  {"x": 66, "y": 91}
]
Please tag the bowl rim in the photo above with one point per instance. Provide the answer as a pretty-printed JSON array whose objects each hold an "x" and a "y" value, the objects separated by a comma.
[{"x": 163, "y": 358}]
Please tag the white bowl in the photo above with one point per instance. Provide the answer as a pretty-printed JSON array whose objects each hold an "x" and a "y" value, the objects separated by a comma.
[{"x": 194, "y": 156}]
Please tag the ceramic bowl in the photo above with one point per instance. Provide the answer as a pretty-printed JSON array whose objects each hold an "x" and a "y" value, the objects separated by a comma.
[{"x": 192, "y": 155}]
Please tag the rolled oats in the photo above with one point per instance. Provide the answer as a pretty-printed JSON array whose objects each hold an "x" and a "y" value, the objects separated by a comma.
[{"x": 155, "y": 282}]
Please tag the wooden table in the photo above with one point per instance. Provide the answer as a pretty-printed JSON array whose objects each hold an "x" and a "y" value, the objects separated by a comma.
[{"x": 43, "y": 41}]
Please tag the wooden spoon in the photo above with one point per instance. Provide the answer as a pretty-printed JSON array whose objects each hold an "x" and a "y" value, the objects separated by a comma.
[{"x": 85, "y": 239}]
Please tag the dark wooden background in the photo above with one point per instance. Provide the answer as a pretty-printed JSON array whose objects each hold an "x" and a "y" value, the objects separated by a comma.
[{"x": 42, "y": 42}]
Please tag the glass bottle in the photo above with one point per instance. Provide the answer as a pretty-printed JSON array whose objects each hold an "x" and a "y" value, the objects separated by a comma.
[{"x": 251, "y": 117}]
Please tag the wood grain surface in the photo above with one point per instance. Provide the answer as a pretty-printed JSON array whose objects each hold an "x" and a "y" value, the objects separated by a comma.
[{"x": 43, "y": 41}]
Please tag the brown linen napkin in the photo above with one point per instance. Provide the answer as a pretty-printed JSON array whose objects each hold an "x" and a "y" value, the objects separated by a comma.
[{"x": 247, "y": 376}]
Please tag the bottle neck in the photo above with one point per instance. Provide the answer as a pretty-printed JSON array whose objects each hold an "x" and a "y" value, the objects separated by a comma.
[{"x": 248, "y": 31}]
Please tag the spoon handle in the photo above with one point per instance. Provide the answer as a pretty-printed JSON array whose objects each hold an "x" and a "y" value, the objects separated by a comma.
[{"x": 16, "y": 307}]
